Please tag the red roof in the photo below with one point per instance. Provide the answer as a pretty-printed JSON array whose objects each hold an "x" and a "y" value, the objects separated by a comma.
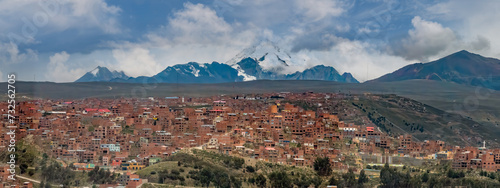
[{"x": 96, "y": 110}]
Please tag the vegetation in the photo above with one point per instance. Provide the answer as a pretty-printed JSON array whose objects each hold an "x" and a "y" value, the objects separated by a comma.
[
  {"x": 322, "y": 166},
  {"x": 51, "y": 173},
  {"x": 280, "y": 180}
]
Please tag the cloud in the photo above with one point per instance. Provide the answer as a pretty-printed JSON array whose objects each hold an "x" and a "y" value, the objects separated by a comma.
[
  {"x": 315, "y": 41},
  {"x": 319, "y": 27},
  {"x": 193, "y": 34},
  {"x": 136, "y": 62},
  {"x": 476, "y": 23},
  {"x": 10, "y": 53},
  {"x": 362, "y": 59},
  {"x": 2, "y": 79},
  {"x": 351, "y": 36},
  {"x": 197, "y": 23},
  {"x": 58, "y": 70},
  {"x": 424, "y": 40},
  {"x": 22, "y": 21},
  {"x": 316, "y": 10},
  {"x": 480, "y": 44}
]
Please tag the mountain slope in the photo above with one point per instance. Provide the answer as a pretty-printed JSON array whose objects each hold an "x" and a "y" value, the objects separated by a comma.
[
  {"x": 198, "y": 73},
  {"x": 321, "y": 72},
  {"x": 102, "y": 74},
  {"x": 462, "y": 67}
]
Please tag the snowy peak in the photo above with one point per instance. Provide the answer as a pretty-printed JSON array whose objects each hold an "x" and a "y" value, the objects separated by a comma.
[
  {"x": 263, "y": 61},
  {"x": 268, "y": 61},
  {"x": 102, "y": 74},
  {"x": 267, "y": 54}
]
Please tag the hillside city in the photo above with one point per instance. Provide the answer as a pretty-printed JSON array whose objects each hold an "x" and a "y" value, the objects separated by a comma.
[{"x": 113, "y": 141}]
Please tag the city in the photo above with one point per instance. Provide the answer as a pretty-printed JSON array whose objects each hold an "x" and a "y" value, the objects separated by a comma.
[{"x": 127, "y": 135}]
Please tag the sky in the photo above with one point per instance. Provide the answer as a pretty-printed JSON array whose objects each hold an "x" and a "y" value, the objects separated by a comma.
[{"x": 61, "y": 40}]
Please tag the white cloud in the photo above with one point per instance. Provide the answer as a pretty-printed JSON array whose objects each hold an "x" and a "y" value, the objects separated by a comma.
[
  {"x": 136, "y": 62},
  {"x": 58, "y": 70},
  {"x": 359, "y": 58},
  {"x": 9, "y": 53},
  {"x": 2, "y": 79},
  {"x": 319, "y": 9},
  {"x": 476, "y": 23},
  {"x": 27, "y": 19},
  {"x": 424, "y": 40},
  {"x": 193, "y": 34},
  {"x": 197, "y": 24}
]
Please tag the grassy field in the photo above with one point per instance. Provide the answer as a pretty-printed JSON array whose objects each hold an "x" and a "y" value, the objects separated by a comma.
[{"x": 401, "y": 115}]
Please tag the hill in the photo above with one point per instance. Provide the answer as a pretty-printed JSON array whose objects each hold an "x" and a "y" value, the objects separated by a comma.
[{"x": 461, "y": 67}]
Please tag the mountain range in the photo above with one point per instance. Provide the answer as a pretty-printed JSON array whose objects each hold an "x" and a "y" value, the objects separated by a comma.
[{"x": 264, "y": 61}]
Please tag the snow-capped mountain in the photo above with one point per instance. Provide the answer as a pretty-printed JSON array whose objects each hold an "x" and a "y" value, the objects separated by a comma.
[
  {"x": 262, "y": 61},
  {"x": 102, "y": 74},
  {"x": 268, "y": 54},
  {"x": 267, "y": 61}
]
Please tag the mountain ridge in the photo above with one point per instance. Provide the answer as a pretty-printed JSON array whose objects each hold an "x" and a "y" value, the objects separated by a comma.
[
  {"x": 262, "y": 61},
  {"x": 461, "y": 67},
  {"x": 102, "y": 74}
]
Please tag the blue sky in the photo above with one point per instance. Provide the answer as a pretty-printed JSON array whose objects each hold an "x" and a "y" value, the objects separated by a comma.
[{"x": 60, "y": 40}]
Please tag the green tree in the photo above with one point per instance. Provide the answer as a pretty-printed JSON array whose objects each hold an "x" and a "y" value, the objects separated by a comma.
[
  {"x": 333, "y": 181},
  {"x": 425, "y": 177},
  {"x": 280, "y": 180},
  {"x": 221, "y": 179},
  {"x": 261, "y": 180},
  {"x": 302, "y": 181},
  {"x": 42, "y": 184},
  {"x": 433, "y": 182},
  {"x": 322, "y": 166},
  {"x": 205, "y": 177},
  {"x": 237, "y": 163},
  {"x": 250, "y": 169},
  {"x": 235, "y": 183},
  {"x": 363, "y": 178},
  {"x": 316, "y": 181},
  {"x": 349, "y": 179}
]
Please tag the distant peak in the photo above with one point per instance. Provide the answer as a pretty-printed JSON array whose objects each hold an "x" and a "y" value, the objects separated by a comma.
[
  {"x": 463, "y": 52},
  {"x": 261, "y": 51},
  {"x": 100, "y": 68},
  {"x": 101, "y": 73}
]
